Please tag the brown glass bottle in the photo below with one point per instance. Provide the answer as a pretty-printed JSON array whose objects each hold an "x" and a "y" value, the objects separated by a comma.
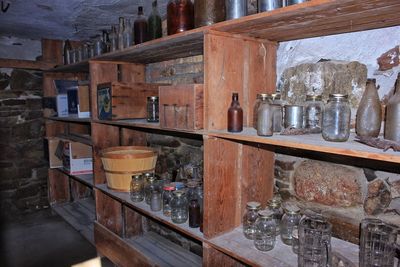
[
  {"x": 180, "y": 16},
  {"x": 140, "y": 27},
  {"x": 194, "y": 214},
  {"x": 235, "y": 115}
]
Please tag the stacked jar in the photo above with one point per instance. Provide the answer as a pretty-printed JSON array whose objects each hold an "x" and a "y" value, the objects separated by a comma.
[
  {"x": 249, "y": 219},
  {"x": 290, "y": 220}
]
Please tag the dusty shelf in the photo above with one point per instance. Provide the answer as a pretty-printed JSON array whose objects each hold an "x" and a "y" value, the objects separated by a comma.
[
  {"x": 86, "y": 179},
  {"x": 70, "y": 119}
]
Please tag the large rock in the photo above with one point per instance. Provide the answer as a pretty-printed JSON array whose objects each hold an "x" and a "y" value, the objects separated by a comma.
[
  {"x": 4, "y": 80},
  {"x": 25, "y": 80},
  {"x": 378, "y": 197},
  {"x": 328, "y": 183}
]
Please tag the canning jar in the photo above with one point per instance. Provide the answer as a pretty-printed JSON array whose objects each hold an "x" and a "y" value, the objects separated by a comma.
[
  {"x": 179, "y": 207},
  {"x": 167, "y": 198},
  {"x": 264, "y": 117},
  {"x": 277, "y": 112},
  {"x": 137, "y": 188},
  {"x": 265, "y": 231},
  {"x": 289, "y": 220},
  {"x": 155, "y": 201},
  {"x": 336, "y": 119},
  {"x": 275, "y": 206},
  {"x": 313, "y": 114},
  {"x": 151, "y": 184},
  {"x": 255, "y": 108},
  {"x": 250, "y": 218},
  {"x": 152, "y": 109}
]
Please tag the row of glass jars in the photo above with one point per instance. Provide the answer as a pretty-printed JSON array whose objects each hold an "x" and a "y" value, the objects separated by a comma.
[
  {"x": 176, "y": 200},
  {"x": 271, "y": 115}
]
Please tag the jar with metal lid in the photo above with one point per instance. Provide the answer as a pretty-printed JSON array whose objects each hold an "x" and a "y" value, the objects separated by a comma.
[
  {"x": 152, "y": 109},
  {"x": 179, "y": 207},
  {"x": 265, "y": 231},
  {"x": 257, "y": 103},
  {"x": 168, "y": 189},
  {"x": 151, "y": 184},
  {"x": 277, "y": 112},
  {"x": 336, "y": 119},
  {"x": 264, "y": 117},
  {"x": 275, "y": 206},
  {"x": 155, "y": 201},
  {"x": 289, "y": 220},
  {"x": 249, "y": 219},
  {"x": 137, "y": 188},
  {"x": 313, "y": 114}
]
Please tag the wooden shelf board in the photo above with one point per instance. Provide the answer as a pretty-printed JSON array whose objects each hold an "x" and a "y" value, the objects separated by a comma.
[
  {"x": 313, "y": 142},
  {"x": 70, "y": 119},
  {"x": 25, "y": 64},
  {"x": 236, "y": 245},
  {"x": 84, "y": 139},
  {"x": 86, "y": 179},
  {"x": 158, "y": 215},
  {"x": 82, "y": 66},
  {"x": 79, "y": 214}
]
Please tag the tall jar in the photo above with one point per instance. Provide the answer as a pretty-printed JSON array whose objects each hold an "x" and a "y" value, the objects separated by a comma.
[
  {"x": 264, "y": 118},
  {"x": 265, "y": 234},
  {"x": 67, "y": 48},
  {"x": 179, "y": 207},
  {"x": 180, "y": 16},
  {"x": 235, "y": 115},
  {"x": 255, "y": 108},
  {"x": 392, "y": 123},
  {"x": 277, "y": 109},
  {"x": 167, "y": 199},
  {"x": 137, "y": 188},
  {"x": 289, "y": 220},
  {"x": 207, "y": 12},
  {"x": 249, "y": 219},
  {"x": 336, "y": 119},
  {"x": 313, "y": 114},
  {"x": 151, "y": 184},
  {"x": 152, "y": 109},
  {"x": 235, "y": 9},
  {"x": 277, "y": 212}
]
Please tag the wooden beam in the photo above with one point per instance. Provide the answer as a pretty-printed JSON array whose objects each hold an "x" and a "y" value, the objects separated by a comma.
[{"x": 25, "y": 64}]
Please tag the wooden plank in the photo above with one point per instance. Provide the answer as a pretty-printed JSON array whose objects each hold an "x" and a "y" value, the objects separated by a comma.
[
  {"x": 81, "y": 138},
  {"x": 69, "y": 119},
  {"x": 58, "y": 184},
  {"x": 132, "y": 223},
  {"x": 109, "y": 212},
  {"x": 131, "y": 137},
  {"x": 132, "y": 73},
  {"x": 52, "y": 51},
  {"x": 54, "y": 128},
  {"x": 117, "y": 250},
  {"x": 103, "y": 136},
  {"x": 79, "y": 190},
  {"x": 25, "y": 64},
  {"x": 213, "y": 257}
]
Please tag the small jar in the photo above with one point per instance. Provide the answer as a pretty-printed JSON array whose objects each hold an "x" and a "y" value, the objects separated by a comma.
[
  {"x": 277, "y": 110},
  {"x": 293, "y": 116},
  {"x": 151, "y": 184},
  {"x": 275, "y": 206},
  {"x": 264, "y": 117},
  {"x": 250, "y": 218},
  {"x": 179, "y": 207},
  {"x": 137, "y": 188},
  {"x": 255, "y": 108},
  {"x": 152, "y": 109},
  {"x": 155, "y": 200},
  {"x": 313, "y": 114},
  {"x": 264, "y": 238},
  {"x": 194, "y": 214},
  {"x": 336, "y": 119},
  {"x": 167, "y": 198},
  {"x": 289, "y": 220}
]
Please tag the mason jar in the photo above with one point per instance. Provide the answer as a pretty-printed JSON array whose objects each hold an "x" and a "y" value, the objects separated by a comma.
[
  {"x": 155, "y": 201},
  {"x": 257, "y": 103},
  {"x": 167, "y": 199},
  {"x": 265, "y": 231},
  {"x": 277, "y": 112},
  {"x": 289, "y": 220},
  {"x": 336, "y": 119},
  {"x": 264, "y": 117},
  {"x": 313, "y": 114},
  {"x": 151, "y": 184},
  {"x": 275, "y": 206},
  {"x": 152, "y": 109},
  {"x": 179, "y": 207},
  {"x": 137, "y": 188},
  {"x": 249, "y": 219}
]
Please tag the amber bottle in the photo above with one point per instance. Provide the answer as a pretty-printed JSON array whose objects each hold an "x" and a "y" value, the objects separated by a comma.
[
  {"x": 194, "y": 214},
  {"x": 235, "y": 115},
  {"x": 180, "y": 16},
  {"x": 140, "y": 27}
]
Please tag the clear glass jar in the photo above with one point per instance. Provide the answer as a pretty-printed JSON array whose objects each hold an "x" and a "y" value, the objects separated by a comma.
[
  {"x": 277, "y": 110},
  {"x": 275, "y": 206},
  {"x": 155, "y": 201},
  {"x": 167, "y": 198},
  {"x": 179, "y": 207},
  {"x": 264, "y": 117},
  {"x": 264, "y": 237},
  {"x": 150, "y": 185},
  {"x": 336, "y": 119},
  {"x": 250, "y": 218},
  {"x": 255, "y": 108},
  {"x": 289, "y": 220},
  {"x": 313, "y": 114},
  {"x": 137, "y": 188},
  {"x": 152, "y": 109}
]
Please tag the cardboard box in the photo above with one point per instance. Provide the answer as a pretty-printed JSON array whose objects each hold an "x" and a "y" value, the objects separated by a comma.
[
  {"x": 54, "y": 160},
  {"x": 62, "y": 105},
  {"x": 83, "y": 101},
  {"x": 77, "y": 158}
]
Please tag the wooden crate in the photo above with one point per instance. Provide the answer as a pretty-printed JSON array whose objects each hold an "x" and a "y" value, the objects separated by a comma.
[
  {"x": 116, "y": 100},
  {"x": 181, "y": 106}
]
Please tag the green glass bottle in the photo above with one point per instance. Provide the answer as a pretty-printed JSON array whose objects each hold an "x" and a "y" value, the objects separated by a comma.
[{"x": 154, "y": 22}]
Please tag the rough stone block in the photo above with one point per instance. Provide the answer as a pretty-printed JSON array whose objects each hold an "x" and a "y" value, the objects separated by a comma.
[
  {"x": 378, "y": 197},
  {"x": 389, "y": 59},
  {"x": 13, "y": 102},
  {"x": 25, "y": 80},
  {"x": 4, "y": 80}
]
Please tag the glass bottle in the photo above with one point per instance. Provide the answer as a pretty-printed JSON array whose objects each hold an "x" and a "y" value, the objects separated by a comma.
[
  {"x": 167, "y": 198},
  {"x": 268, "y": 5},
  {"x": 235, "y": 115},
  {"x": 313, "y": 114},
  {"x": 98, "y": 46},
  {"x": 105, "y": 46},
  {"x": 155, "y": 200},
  {"x": 336, "y": 119},
  {"x": 180, "y": 16},
  {"x": 152, "y": 109},
  {"x": 154, "y": 23},
  {"x": 235, "y": 9},
  {"x": 67, "y": 48},
  {"x": 191, "y": 190},
  {"x": 392, "y": 123},
  {"x": 140, "y": 27},
  {"x": 265, "y": 231},
  {"x": 250, "y": 218},
  {"x": 71, "y": 54},
  {"x": 179, "y": 207},
  {"x": 255, "y": 108},
  {"x": 84, "y": 51},
  {"x": 137, "y": 188},
  {"x": 277, "y": 110},
  {"x": 264, "y": 118},
  {"x": 128, "y": 34},
  {"x": 194, "y": 213},
  {"x": 369, "y": 112},
  {"x": 275, "y": 206},
  {"x": 150, "y": 185},
  {"x": 113, "y": 39},
  {"x": 120, "y": 34},
  {"x": 207, "y": 12},
  {"x": 289, "y": 220},
  {"x": 200, "y": 197}
]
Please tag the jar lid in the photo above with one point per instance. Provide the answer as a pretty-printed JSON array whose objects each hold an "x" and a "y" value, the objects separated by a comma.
[
  {"x": 274, "y": 202},
  {"x": 276, "y": 96},
  {"x": 168, "y": 187},
  {"x": 136, "y": 176},
  {"x": 291, "y": 208},
  {"x": 178, "y": 185},
  {"x": 265, "y": 213},
  {"x": 313, "y": 97},
  {"x": 152, "y": 97},
  {"x": 338, "y": 96},
  {"x": 178, "y": 193},
  {"x": 192, "y": 184},
  {"x": 148, "y": 174},
  {"x": 253, "y": 205}
]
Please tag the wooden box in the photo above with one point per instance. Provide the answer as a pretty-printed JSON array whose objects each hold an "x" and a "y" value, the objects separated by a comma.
[
  {"x": 181, "y": 106},
  {"x": 116, "y": 100}
]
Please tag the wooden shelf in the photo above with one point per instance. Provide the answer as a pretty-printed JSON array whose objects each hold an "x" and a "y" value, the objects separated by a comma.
[
  {"x": 86, "y": 179},
  {"x": 82, "y": 66},
  {"x": 80, "y": 214},
  {"x": 313, "y": 142},
  {"x": 25, "y": 64},
  {"x": 143, "y": 208},
  {"x": 80, "y": 138},
  {"x": 70, "y": 119}
]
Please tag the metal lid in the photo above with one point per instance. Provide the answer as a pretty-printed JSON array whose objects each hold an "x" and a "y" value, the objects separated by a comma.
[
  {"x": 314, "y": 98},
  {"x": 276, "y": 96},
  {"x": 274, "y": 202},
  {"x": 168, "y": 187},
  {"x": 152, "y": 98},
  {"x": 338, "y": 96},
  {"x": 265, "y": 213},
  {"x": 253, "y": 205},
  {"x": 291, "y": 208},
  {"x": 178, "y": 193},
  {"x": 178, "y": 185},
  {"x": 136, "y": 176}
]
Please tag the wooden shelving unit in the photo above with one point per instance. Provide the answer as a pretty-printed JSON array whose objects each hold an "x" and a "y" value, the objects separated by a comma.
[
  {"x": 86, "y": 179},
  {"x": 238, "y": 55}
]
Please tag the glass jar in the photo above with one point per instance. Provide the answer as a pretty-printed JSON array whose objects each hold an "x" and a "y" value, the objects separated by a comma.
[
  {"x": 167, "y": 198},
  {"x": 277, "y": 112},
  {"x": 151, "y": 184},
  {"x": 120, "y": 33},
  {"x": 264, "y": 117},
  {"x": 71, "y": 54},
  {"x": 255, "y": 108},
  {"x": 200, "y": 196},
  {"x": 179, "y": 207},
  {"x": 265, "y": 234},
  {"x": 235, "y": 9},
  {"x": 180, "y": 16},
  {"x": 313, "y": 114},
  {"x": 194, "y": 213},
  {"x": 155, "y": 200},
  {"x": 128, "y": 33},
  {"x": 275, "y": 206},
  {"x": 137, "y": 188},
  {"x": 250, "y": 218},
  {"x": 84, "y": 51},
  {"x": 207, "y": 12},
  {"x": 336, "y": 119},
  {"x": 152, "y": 109},
  {"x": 289, "y": 220}
]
